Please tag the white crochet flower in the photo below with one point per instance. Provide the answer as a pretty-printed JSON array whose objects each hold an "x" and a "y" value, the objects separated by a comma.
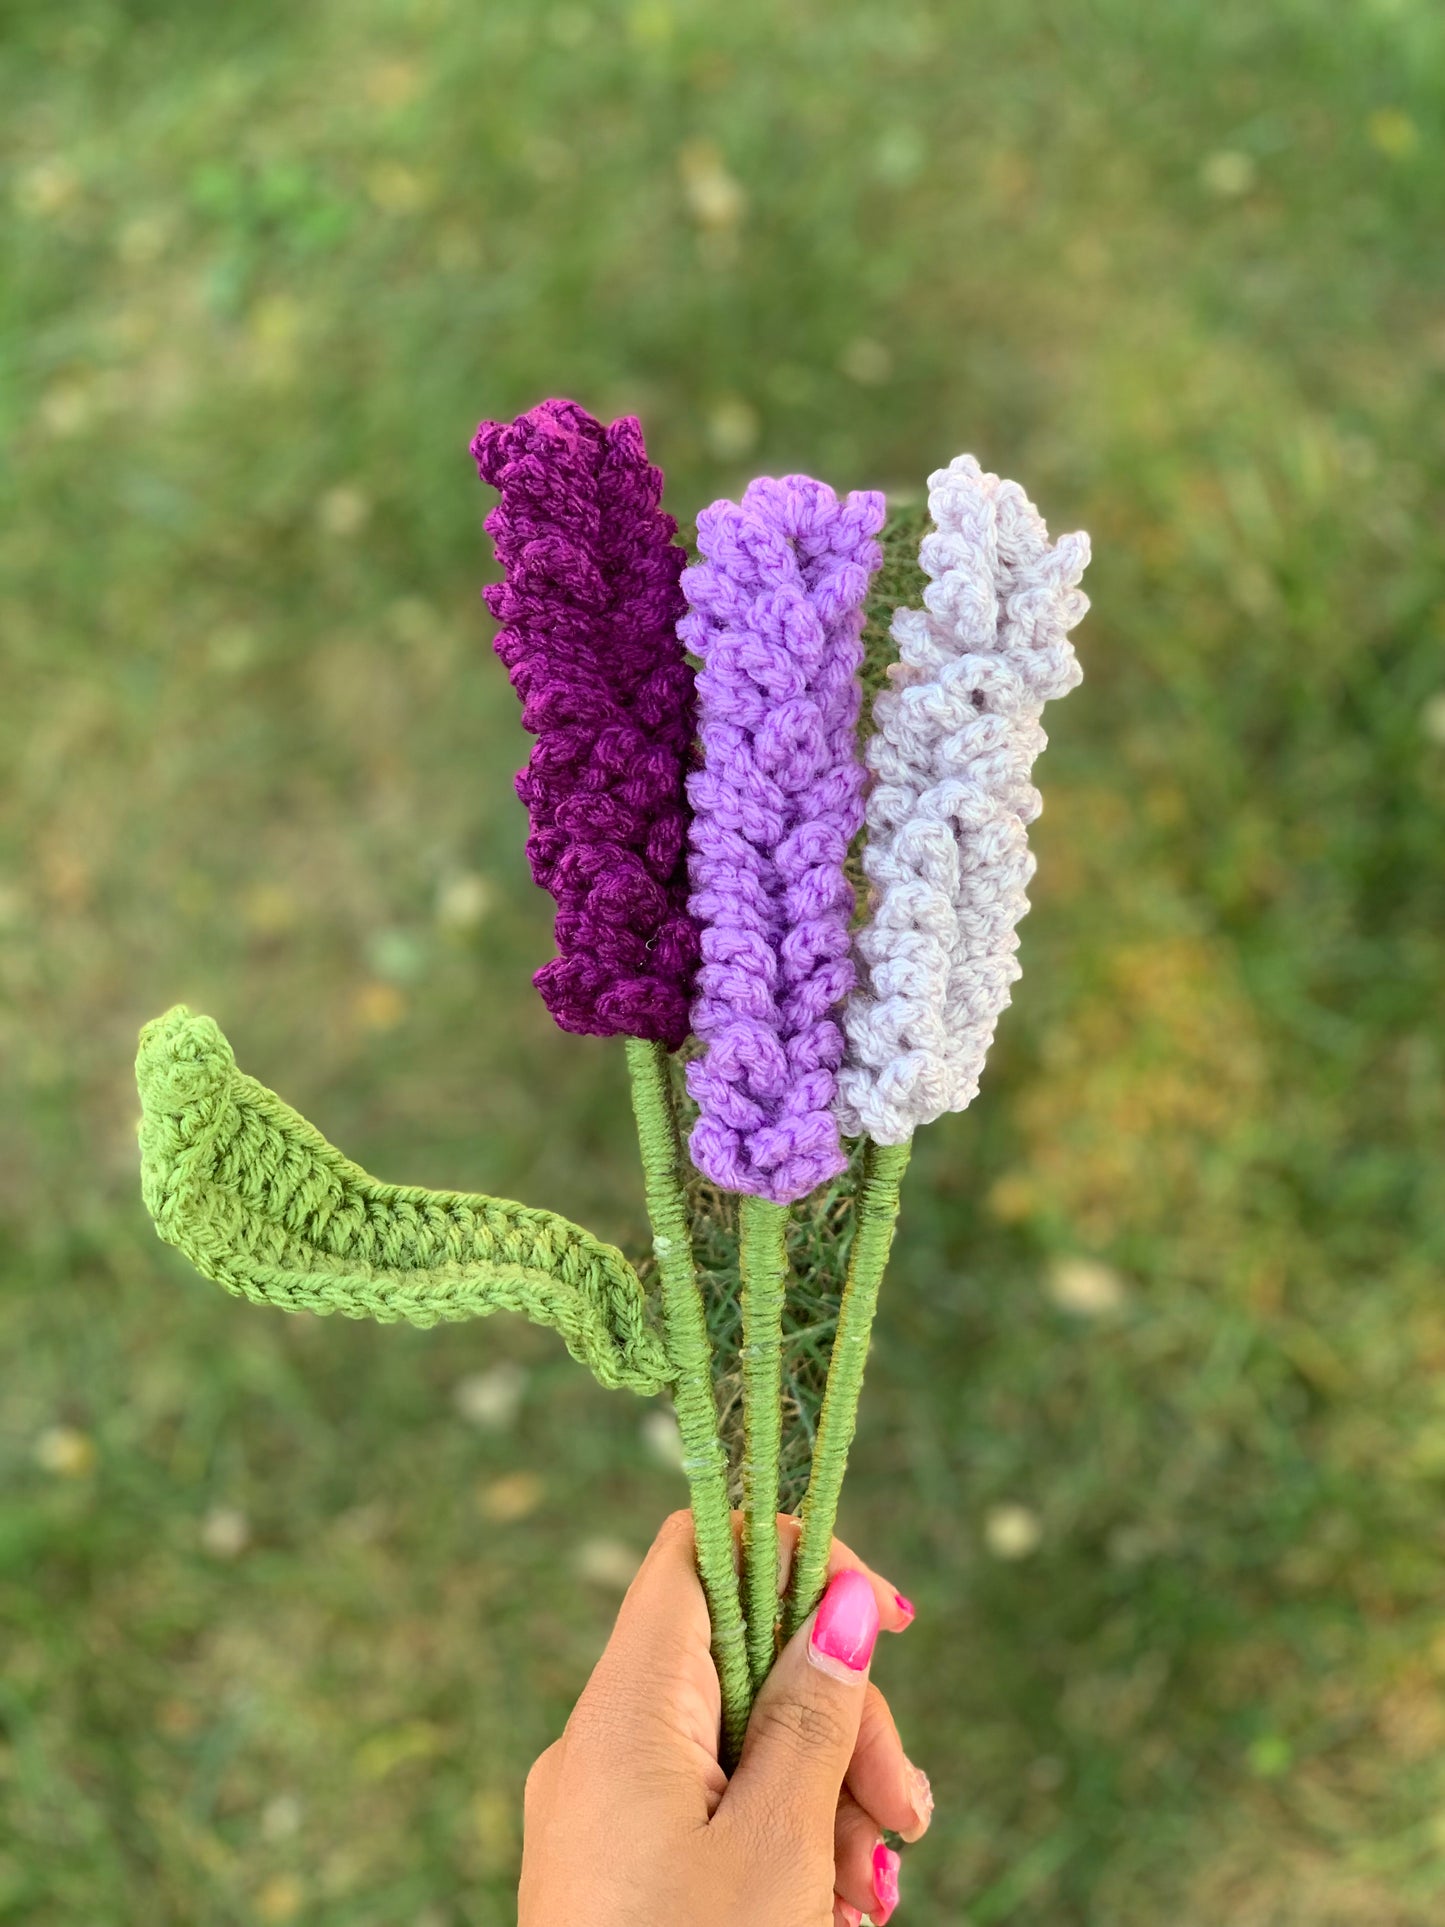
[{"x": 957, "y": 731}]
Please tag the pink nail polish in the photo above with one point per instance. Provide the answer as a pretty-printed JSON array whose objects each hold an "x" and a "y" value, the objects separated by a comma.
[
  {"x": 905, "y": 1606},
  {"x": 885, "y": 1882},
  {"x": 846, "y": 1628}
]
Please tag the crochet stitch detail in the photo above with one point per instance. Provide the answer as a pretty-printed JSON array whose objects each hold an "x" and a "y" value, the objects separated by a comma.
[
  {"x": 259, "y": 1202},
  {"x": 947, "y": 855},
  {"x": 775, "y": 613},
  {"x": 589, "y": 606}
]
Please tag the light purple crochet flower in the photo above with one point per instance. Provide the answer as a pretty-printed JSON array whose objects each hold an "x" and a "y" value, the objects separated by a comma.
[{"x": 776, "y": 614}]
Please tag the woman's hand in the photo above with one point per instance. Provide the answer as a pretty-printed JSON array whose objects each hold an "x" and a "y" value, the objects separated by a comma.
[{"x": 631, "y": 1821}]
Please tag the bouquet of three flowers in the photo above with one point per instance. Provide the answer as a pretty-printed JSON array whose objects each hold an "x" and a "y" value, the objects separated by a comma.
[{"x": 697, "y": 791}]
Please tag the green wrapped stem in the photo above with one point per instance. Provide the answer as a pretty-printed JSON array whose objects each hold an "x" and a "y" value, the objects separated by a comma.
[
  {"x": 763, "y": 1263},
  {"x": 690, "y": 1357},
  {"x": 875, "y": 1222}
]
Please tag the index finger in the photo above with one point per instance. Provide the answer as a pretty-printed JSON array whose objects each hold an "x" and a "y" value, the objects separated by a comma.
[{"x": 655, "y": 1681}]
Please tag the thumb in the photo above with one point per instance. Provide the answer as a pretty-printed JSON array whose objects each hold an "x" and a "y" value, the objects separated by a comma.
[{"x": 804, "y": 1724}]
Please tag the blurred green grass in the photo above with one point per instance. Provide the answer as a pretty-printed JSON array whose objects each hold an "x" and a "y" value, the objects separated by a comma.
[{"x": 1154, "y": 1430}]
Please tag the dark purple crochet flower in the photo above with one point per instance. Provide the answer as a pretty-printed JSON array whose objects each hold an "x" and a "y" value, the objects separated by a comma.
[
  {"x": 590, "y": 605},
  {"x": 776, "y": 613}
]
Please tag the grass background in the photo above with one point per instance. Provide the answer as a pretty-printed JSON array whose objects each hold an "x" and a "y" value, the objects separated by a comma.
[{"x": 1154, "y": 1431}]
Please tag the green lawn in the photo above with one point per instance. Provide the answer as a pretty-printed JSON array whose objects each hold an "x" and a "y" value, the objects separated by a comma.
[{"x": 1154, "y": 1431}]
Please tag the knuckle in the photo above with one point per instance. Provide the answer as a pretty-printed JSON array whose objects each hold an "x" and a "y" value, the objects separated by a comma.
[
  {"x": 607, "y": 1726},
  {"x": 806, "y": 1728},
  {"x": 876, "y": 1726},
  {"x": 598, "y": 1719},
  {"x": 875, "y": 1707},
  {"x": 540, "y": 1780}
]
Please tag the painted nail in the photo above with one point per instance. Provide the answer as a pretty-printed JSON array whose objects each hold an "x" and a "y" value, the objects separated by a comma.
[
  {"x": 922, "y": 1796},
  {"x": 885, "y": 1882},
  {"x": 906, "y": 1607},
  {"x": 846, "y": 1627}
]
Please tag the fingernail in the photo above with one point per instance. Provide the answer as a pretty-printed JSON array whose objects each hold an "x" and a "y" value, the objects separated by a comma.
[
  {"x": 922, "y": 1797},
  {"x": 850, "y": 1915},
  {"x": 906, "y": 1607},
  {"x": 885, "y": 1882},
  {"x": 846, "y": 1628}
]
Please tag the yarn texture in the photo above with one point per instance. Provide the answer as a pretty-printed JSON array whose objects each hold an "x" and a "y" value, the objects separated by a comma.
[
  {"x": 875, "y": 1219},
  {"x": 836, "y": 988},
  {"x": 590, "y": 604},
  {"x": 775, "y": 613},
  {"x": 259, "y": 1202},
  {"x": 684, "y": 1314},
  {"x": 947, "y": 857}
]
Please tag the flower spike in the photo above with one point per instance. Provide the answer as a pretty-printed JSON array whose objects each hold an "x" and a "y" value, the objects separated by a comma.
[
  {"x": 590, "y": 604},
  {"x": 947, "y": 854},
  {"x": 775, "y": 612}
]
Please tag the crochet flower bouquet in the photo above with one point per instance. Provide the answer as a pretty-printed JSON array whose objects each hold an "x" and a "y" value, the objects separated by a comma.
[{"x": 698, "y": 831}]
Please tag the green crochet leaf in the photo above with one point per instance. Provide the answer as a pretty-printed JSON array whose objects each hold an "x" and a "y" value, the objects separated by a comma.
[{"x": 260, "y": 1202}]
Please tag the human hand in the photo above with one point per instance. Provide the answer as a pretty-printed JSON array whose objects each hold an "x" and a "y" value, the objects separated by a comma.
[{"x": 630, "y": 1820}]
